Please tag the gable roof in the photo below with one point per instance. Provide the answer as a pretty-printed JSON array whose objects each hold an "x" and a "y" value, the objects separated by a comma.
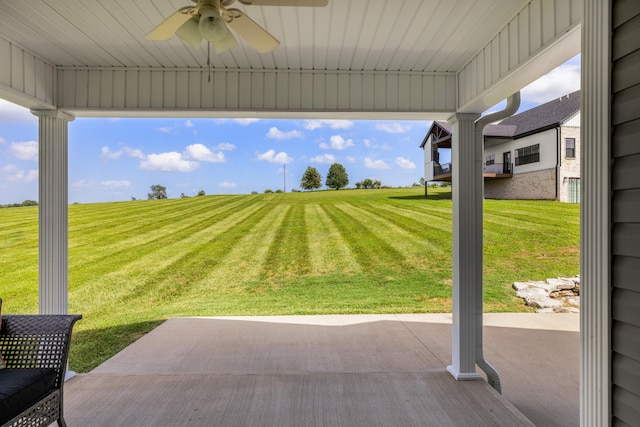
[
  {"x": 441, "y": 131},
  {"x": 545, "y": 116}
]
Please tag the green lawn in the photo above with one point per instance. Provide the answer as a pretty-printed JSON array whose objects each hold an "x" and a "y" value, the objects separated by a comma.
[{"x": 134, "y": 264}]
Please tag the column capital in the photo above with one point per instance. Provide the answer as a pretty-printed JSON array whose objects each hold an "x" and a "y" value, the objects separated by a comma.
[
  {"x": 463, "y": 117},
  {"x": 56, "y": 114}
]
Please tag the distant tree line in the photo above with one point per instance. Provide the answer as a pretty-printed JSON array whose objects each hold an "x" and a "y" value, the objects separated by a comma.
[
  {"x": 369, "y": 183},
  {"x": 19, "y": 205}
]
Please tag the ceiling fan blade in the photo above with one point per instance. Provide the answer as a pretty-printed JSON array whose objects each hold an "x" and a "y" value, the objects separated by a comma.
[
  {"x": 169, "y": 26},
  {"x": 298, "y": 3},
  {"x": 250, "y": 31}
]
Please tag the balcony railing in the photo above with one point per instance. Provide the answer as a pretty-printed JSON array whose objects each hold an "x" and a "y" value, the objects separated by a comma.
[
  {"x": 496, "y": 168},
  {"x": 441, "y": 169},
  {"x": 499, "y": 168}
]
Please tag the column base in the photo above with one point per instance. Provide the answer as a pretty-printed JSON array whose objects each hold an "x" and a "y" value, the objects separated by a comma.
[{"x": 464, "y": 376}]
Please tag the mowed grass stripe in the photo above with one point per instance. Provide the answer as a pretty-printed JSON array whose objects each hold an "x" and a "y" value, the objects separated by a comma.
[
  {"x": 120, "y": 253},
  {"x": 419, "y": 219},
  {"x": 138, "y": 273},
  {"x": 154, "y": 222},
  {"x": 184, "y": 273},
  {"x": 243, "y": 266},
  {"x": 288, "y": 254},
  {"x": 369, "y": 250},
  {"x": 428, "y": 235},
  {"x": 328, "y": 252},
  {"x": 403, "y": 241}
]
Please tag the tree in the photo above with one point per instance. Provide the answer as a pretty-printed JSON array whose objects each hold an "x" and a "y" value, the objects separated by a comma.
[
  {"x": 422, "y": 181},
  {"x": 157, "y": 192},
  {"x": 337, "y": 177},
  {"x": 201, "y": 193},
  {"x": 311, "y": 179}
]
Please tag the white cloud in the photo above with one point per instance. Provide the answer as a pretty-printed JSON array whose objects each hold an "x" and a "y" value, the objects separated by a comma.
[
  {"x": 168, "y": 162},
  {"x": 2, "y": 140},
  {"x": 560, "y": 81},
  {"x": 113, "y": 155},
  {"x": 224, "y": 146},
  {"x": 393, "y": 127},
  {"x": 240, "y": 121},
  {"x": 107, "y": 153},
  {"x": 323, "y": 158},
  {"x": 27, "y": 150},
  {"x": 337, "y": 142},
  {"x": 405, "y": 163},
  {"x": 375, "y": 164},
  {"x": 370, "y": 144},
  {"x": 134, "y": 152},
  {"x": 116, "y": 185},
  {"x": 199, "y": 152},
  {"x": 81, "y": 184},
  {"x": 271, "y": 157},
  {"x": 13, "y": 174},
  {"x": 333, "y": 124},
  {"x": 188, "y": 124},
  {"x": 166, "y": 129},
  {"x": 245, "y": 122},
  {"x": 275, "y": 133},
  {"x": 227, "y": 184},
  {"x": 351, "y": 159},
  {"x": 12, "y": 113}
]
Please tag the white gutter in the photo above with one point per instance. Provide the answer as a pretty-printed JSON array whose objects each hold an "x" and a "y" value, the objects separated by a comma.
[{"x": 513, "y": 103}]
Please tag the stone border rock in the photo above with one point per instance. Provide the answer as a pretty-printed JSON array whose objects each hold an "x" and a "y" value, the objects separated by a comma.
[{"x": 561, "y": 295}]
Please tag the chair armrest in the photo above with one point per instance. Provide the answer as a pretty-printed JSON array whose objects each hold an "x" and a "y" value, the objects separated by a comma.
[{"x": 37, "y": 341}]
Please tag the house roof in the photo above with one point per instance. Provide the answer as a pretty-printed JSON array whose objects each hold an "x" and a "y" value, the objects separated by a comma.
[
  {"x": 545, "y": 116},
  {"x": 441, "y": 132},
  {"x": 549, "y": 115}
]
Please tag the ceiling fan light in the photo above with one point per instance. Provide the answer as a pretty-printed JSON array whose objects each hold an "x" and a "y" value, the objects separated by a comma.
[
  {"x": 190, "y": 33},
  {"x": 211, "y": 25},
  {"x": 225, "y": 44}
]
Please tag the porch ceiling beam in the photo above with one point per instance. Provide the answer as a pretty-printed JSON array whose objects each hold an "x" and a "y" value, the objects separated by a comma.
[{"x": 255, "y": 93}]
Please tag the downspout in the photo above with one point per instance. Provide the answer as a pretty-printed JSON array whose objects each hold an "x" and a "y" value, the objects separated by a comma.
[
  {"x": 513, "y": 103},
  {"x": 558, "y": 163}
]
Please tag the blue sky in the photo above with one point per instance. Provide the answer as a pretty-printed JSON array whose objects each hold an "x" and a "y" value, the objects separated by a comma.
[{"x": 117, "y": 159}]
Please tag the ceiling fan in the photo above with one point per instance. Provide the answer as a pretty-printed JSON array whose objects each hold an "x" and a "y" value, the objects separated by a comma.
[{"x": 211, "y": 20}]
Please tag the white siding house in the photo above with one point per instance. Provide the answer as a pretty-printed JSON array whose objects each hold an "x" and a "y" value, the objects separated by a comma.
[{"x": 531, "y": 155}]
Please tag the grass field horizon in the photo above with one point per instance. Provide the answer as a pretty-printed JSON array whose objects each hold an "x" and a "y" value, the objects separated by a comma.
[{"x": 134, "y": 264}]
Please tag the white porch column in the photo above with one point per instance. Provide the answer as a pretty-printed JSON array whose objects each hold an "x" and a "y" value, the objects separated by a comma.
[
  {"x": 467, "y": 176},
  {"x": 53, "y": 211},
  {"x": 595, "y": 220}
]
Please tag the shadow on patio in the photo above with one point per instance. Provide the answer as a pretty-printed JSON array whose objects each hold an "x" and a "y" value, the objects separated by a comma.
[{"x": 357, "y": 370}]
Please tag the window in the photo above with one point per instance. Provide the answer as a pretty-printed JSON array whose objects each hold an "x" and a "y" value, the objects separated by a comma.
[
  {"x": 491, "y": 159},
  {"x": 526, "y": 155},
  {"x": 571, "y": 148}
]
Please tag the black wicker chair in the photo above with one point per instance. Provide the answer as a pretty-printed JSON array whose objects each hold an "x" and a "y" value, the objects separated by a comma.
[{"x": 35, "y": 349}]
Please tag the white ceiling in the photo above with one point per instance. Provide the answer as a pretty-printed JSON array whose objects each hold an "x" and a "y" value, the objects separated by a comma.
[{"x": 370, "y": 35}]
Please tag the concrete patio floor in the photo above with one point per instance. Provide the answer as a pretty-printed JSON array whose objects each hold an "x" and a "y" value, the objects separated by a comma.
[{"x": 342, "y": 370}]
